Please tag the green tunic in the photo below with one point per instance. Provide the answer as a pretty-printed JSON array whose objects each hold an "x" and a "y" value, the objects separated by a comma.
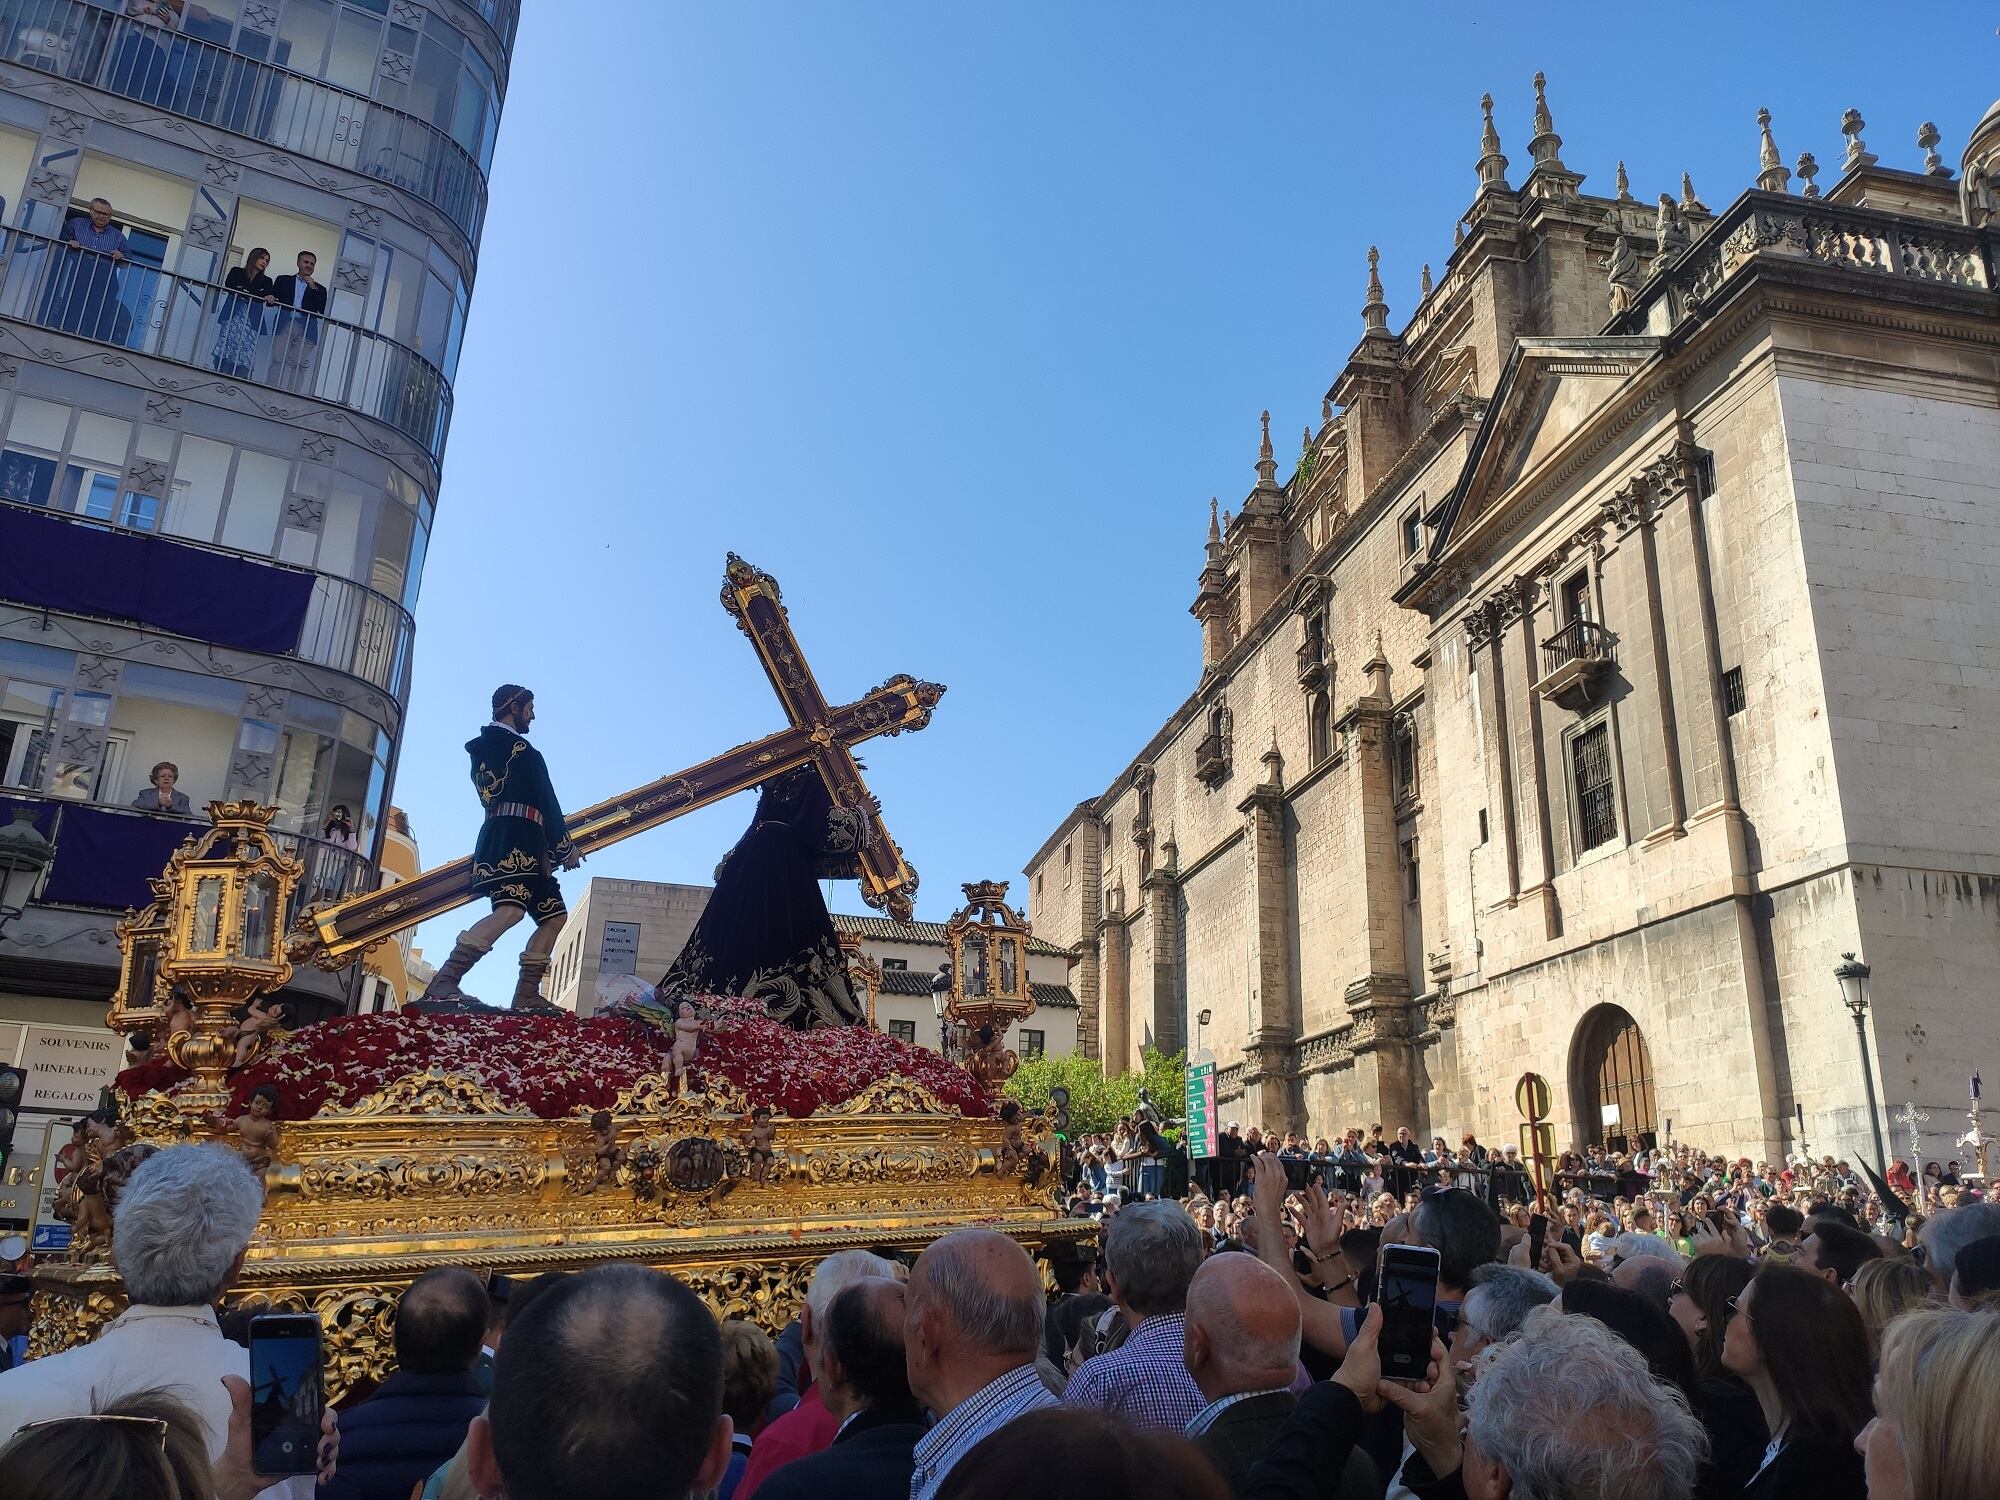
[{"x": 524, "y": 838}]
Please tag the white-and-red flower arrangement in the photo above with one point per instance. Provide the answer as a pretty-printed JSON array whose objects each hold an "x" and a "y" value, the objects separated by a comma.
[{"x": 555, "y": 1065}]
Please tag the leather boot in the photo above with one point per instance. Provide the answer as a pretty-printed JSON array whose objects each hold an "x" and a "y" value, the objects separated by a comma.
[
  {"x": 528, "y": 990},
  {"x": 444, "y": 984}
]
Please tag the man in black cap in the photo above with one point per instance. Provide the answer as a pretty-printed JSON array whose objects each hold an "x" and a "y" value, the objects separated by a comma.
[
  {"x": 16, "y": 1295},
  {"x": 522, "y": 844}
]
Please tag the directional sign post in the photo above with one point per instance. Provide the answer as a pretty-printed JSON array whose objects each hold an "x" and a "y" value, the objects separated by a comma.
[{"x": 1201, "y": 1133}]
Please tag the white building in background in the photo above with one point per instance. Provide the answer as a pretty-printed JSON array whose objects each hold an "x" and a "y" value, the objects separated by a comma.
[{"x": 639, "y": 926}]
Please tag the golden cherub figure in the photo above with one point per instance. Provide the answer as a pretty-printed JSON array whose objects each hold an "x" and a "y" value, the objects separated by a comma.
[
  {"x": 760, "y": 1143},
  {"x": 610, "y": 1155}
]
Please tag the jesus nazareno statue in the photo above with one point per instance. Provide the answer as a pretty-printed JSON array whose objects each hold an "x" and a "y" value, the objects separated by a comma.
[{"x": 765, "y": 932}]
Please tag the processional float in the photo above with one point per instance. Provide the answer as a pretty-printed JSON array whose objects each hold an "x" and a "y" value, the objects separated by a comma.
[{"x": 436, "y": 1169}]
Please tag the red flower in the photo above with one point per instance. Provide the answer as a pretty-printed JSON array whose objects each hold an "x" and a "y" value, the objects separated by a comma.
[{"x": 556, "y": 1065}]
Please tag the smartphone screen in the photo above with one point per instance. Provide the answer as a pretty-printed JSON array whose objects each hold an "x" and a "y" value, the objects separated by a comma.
[
  {"x": 1407, "y": 1293},
  {"x": 287, "y": 1394},
  {"x": 1538, "y": 1233}
]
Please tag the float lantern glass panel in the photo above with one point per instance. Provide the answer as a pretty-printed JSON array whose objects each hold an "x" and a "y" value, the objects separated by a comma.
[{"x": 205, "y": 932}]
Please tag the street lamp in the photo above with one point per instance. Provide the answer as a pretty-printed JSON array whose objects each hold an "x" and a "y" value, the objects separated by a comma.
[
  {"x": 1852, "y": 975},
  {"x": 1201, "y": 1019},
  {"x": 24, "y": 856},
  {"x": 941, "y": 1005}
]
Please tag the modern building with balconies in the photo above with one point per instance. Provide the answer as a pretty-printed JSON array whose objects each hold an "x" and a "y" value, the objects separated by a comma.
[{"x": 215, "y": 497}]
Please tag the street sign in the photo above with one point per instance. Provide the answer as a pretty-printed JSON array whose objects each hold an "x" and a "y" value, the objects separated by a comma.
[{"x": 1201, "y": 1131}]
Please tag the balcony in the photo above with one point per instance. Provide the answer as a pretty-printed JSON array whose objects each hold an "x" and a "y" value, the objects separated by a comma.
[
  {"x": 104, "y": 856},
  {"x": 54, "y": 285},
  {"x": 1576, "y": 665},
  {"x": 1312, "y": 662},
  {"x": 211, "y": 594},
  {"x": 90, "y": 45},
  {"x": 1211, "y": 759}
]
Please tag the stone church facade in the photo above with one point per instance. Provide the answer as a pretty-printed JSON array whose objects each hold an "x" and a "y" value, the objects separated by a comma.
[{"x": 1622, "y": 651}]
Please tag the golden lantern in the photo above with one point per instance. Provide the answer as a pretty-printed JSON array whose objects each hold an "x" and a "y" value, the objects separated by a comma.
[
  {"x": 140, "y": 1001},
  {"x": 990, "y": 990},
  {"x": 864, "y": 975},
  {"x": 226, "y": 895}
]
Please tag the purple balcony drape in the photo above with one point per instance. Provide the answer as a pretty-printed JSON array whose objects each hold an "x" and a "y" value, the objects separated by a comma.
[{"x": 51, "y": 562}]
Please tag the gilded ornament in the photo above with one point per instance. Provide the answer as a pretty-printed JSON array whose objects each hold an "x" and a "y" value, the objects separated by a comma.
[{"x": 434, "y": 1092}]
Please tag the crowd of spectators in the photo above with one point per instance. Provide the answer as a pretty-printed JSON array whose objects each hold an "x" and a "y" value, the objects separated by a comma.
[{"x": 1775, "y": 1344}]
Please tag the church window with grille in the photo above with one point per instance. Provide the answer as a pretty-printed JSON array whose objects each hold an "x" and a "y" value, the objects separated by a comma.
[
  {"x": 1590, "y": 772},
  {"x": 1404, "y": 750}
]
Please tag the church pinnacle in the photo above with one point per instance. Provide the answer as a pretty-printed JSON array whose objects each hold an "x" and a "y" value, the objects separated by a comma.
[
  {"x": 1267, "y": 462},
  {"x": 1214, "y": 530},
  {"x": 1375, "y": 311},
  {"x": 1492, "y": 165},
  {"x": 1773, "y": 178},
  {"x": 1546, "y": 147}
]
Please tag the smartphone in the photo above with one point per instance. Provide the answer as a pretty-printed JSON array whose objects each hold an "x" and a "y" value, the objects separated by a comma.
[
  {"x": 1538, "y": 1233},
  {"x": 287, "y": 1393},
  {"x": 1407, "y": 1291}
]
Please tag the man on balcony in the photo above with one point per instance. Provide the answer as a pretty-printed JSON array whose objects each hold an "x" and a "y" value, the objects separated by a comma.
[
  {"x": 524, "y": 840},
  {"x": 302, "y": 302},
  {"x": 83, "y": 296},
  {"x": 161, "y": 796}
]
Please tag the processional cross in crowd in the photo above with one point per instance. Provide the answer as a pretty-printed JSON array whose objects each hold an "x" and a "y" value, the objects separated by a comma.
[
  {"x": 1913, "y": 1120},
  {"x": 818, "y": 734}
]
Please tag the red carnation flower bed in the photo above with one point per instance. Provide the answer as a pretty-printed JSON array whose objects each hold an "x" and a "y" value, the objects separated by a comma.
[{"x": 555, "y": 1065}]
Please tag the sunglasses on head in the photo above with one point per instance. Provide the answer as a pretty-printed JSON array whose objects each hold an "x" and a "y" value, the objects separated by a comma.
[{"x": 157, "y": 1424}]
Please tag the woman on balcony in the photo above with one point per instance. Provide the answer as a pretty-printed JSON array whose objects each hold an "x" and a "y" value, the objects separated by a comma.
[{"x": 247, "y": 292}]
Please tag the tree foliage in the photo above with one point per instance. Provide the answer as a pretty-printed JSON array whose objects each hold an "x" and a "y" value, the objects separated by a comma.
[{"x": 1096, "y": 1103}]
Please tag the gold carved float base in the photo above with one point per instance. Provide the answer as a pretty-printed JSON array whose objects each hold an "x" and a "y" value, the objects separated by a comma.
[{"x": 434, "y": 1171}]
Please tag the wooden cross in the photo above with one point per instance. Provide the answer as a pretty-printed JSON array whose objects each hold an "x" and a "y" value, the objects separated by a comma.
[{"x": 818, "y": 735}]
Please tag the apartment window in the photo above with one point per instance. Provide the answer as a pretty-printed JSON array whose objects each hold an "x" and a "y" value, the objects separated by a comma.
[
  {"x": 1033, "y": 1043},
  {"x": 1038, "y": 882},
  {"x": 1412, "y": 890},
  {"x": 1590, "y": 773},
  {"x": 1412, "y": 530},
  {"x": 1733, "y": 701},
  {"x": 903, "y": 1031},
  {"x": 895, "y": 965}
]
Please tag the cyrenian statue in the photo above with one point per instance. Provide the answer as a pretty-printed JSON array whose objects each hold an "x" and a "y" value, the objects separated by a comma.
[{"x": 522, "y": 844}]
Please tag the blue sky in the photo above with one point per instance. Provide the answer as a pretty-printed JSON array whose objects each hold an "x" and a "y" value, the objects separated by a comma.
[{"x": 953, "y": 317}]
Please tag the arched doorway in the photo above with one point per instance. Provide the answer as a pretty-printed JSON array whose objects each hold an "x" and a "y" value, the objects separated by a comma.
[{"x": 1611, "y": 1080}]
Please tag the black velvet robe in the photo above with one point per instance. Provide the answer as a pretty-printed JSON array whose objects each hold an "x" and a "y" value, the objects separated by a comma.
[{"x": 765, "y": 932}]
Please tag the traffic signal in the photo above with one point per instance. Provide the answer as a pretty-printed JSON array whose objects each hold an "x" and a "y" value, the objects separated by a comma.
[{"x": 13, "y": 1083}]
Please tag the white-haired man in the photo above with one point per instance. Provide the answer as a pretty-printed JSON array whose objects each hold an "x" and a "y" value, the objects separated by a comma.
[
  {"x": 1565, "y": 1407},
  {"x": 809, "y": 1428},
  {"x": 180, "y": 1230},
  {"x": 972, "y": 1323}
]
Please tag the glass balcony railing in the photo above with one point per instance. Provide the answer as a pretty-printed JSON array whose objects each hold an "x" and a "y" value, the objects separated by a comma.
[
  {"x": 104, "y": 856},
  {"x": 53, "y": 284},
  {"x": 202, "y": 81}
]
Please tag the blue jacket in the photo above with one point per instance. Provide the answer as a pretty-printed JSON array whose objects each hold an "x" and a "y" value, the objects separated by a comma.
[{"x": 392, "y": 1442}]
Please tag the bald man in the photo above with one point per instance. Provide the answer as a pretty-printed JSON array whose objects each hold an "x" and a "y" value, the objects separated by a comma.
[
  {"x": 1242, "y": 1348},
  {"x": 972, "y": 1322}
]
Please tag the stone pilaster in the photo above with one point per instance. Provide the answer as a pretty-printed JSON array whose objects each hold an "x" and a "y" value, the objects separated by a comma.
[
  {"x": 1272, "y": 1090},
  {"x": 1160, "y": 984}
]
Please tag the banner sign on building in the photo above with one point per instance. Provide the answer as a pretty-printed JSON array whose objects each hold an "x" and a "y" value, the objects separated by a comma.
[
  {"x": 618, "y": 949},
  {"x": 1201, "y": 1132},
  {"x": 67, "y": 1067}
]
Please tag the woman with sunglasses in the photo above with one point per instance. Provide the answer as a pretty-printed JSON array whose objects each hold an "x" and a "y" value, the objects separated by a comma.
[
  {"x": 1699, "y": 1303},
  {"x": 144, "y": 1447},
  {"x": 1799, "y": 1343}
]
